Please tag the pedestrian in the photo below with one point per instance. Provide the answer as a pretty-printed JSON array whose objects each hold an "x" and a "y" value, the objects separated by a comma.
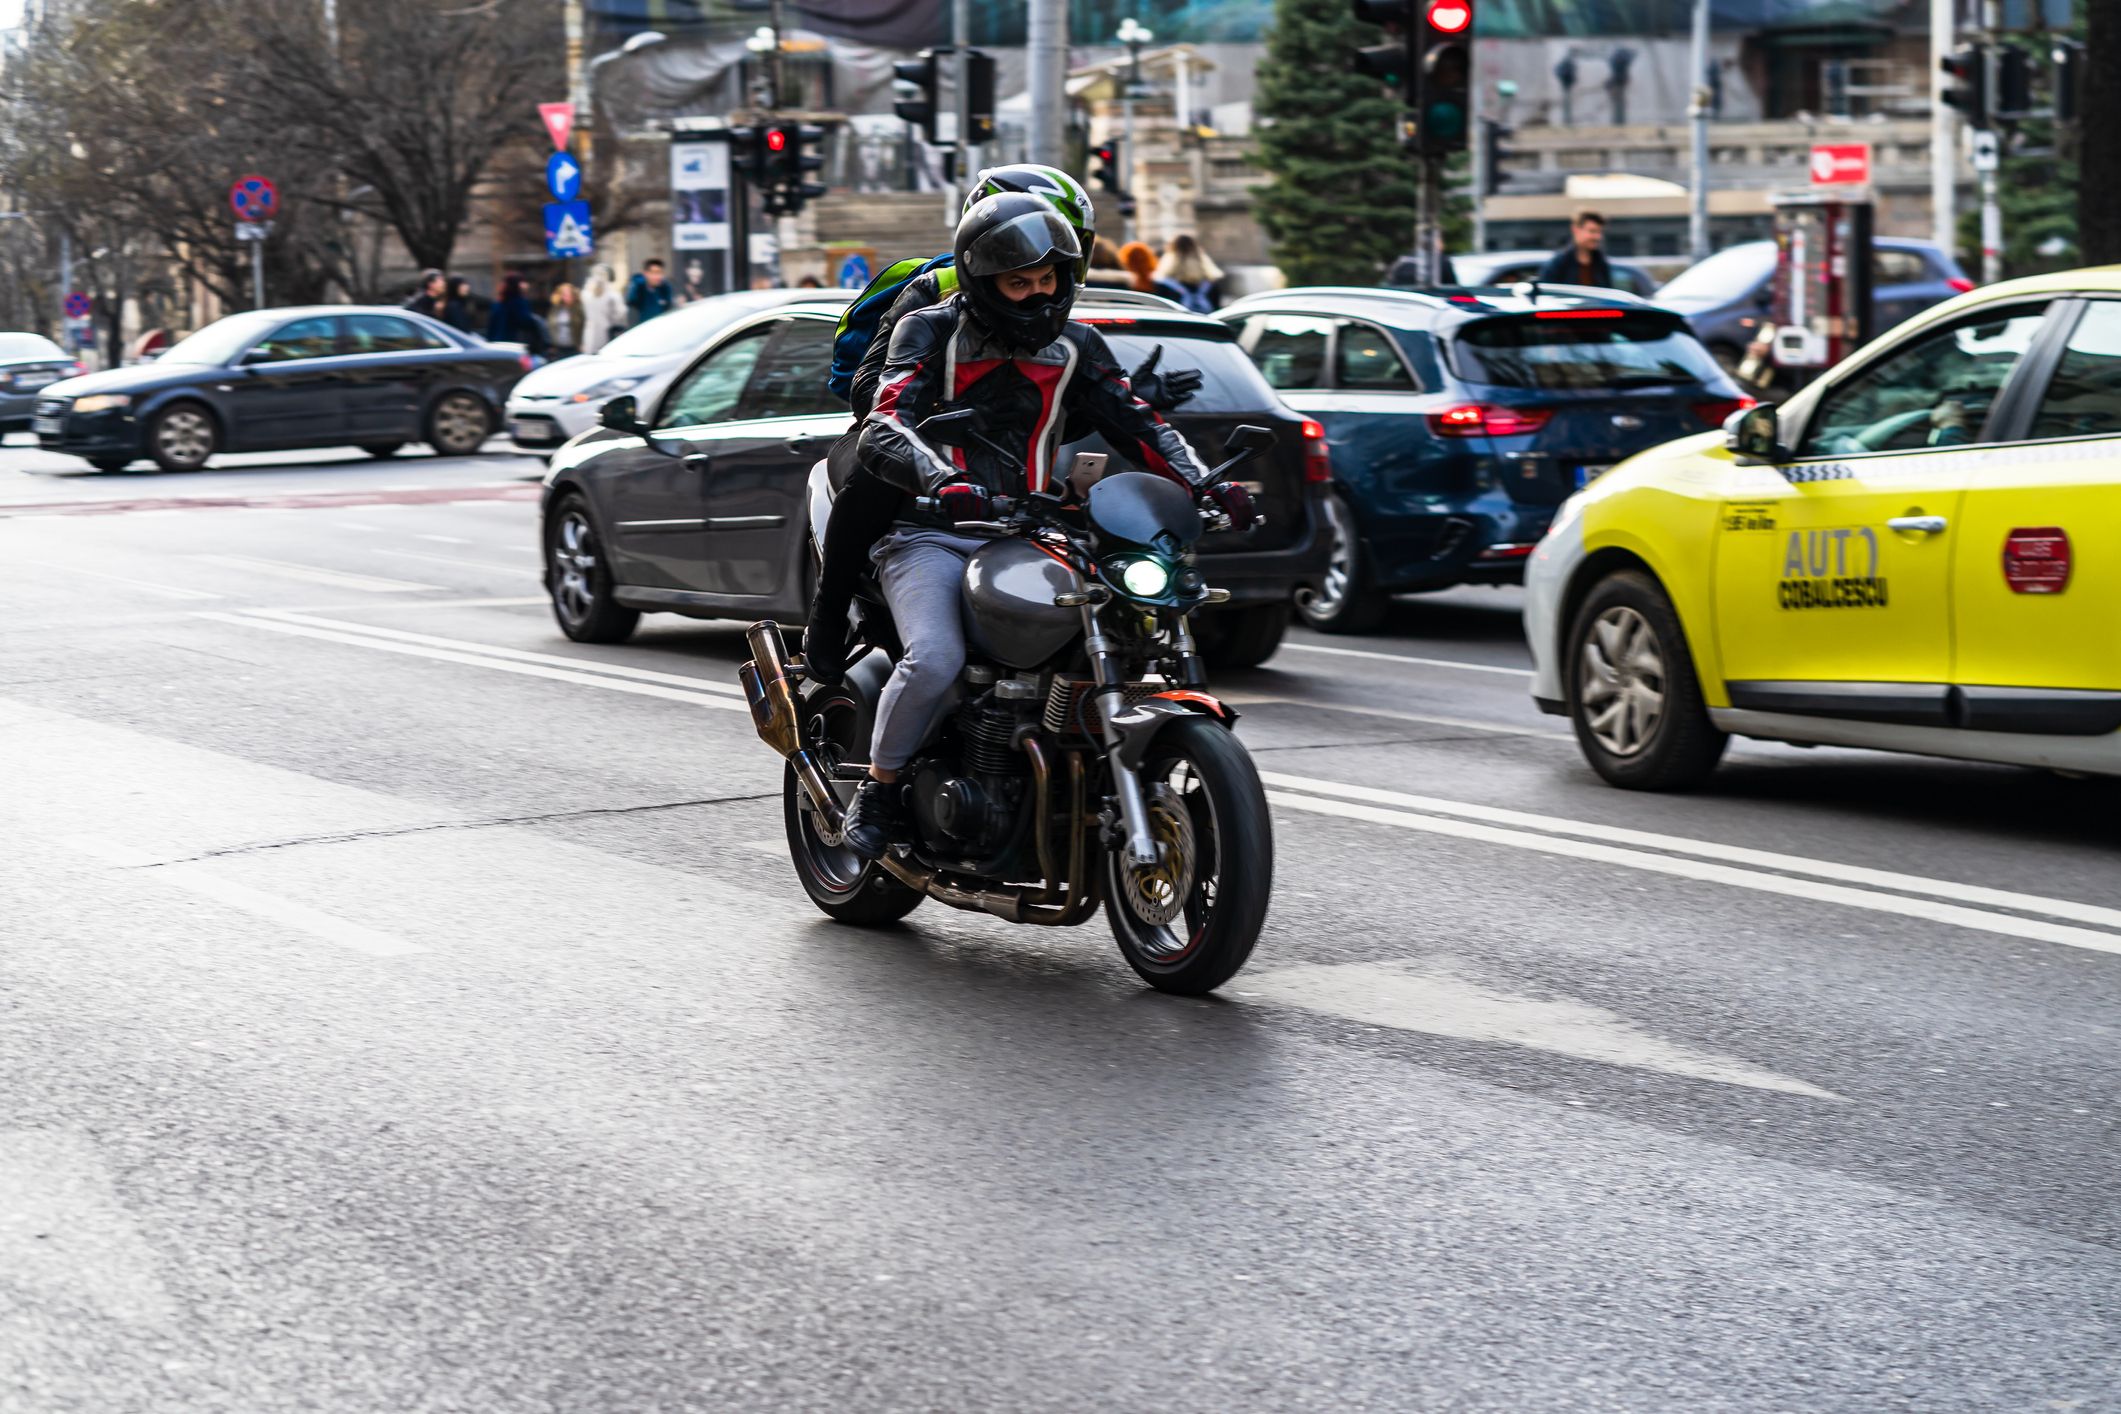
[
  {"x": 1582, "y": 261},
  {"x": 649, "y": 293},
  {"x": 456, "y": 304},
  {"x": 1140, "y": 261},
  {"x": 810, "y": 282},
  {"x": 1106, "y": 269},
  {"x": 1194, "y": 271},
  {"x": 563, "y": 320},
  {"x": 431, "y": 295},
  {"x": 513, "y": 321},
  {"x": 603, "y": 308}
]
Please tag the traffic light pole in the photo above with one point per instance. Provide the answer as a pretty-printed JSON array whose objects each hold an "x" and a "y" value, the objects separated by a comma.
[
  {"x": 961, "y": 27},
  {"x": 1944, "y": 133}
]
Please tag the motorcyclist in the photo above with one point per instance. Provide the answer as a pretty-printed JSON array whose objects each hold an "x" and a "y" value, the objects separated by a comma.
[
  {"x": 1003, "y": 345},
  {"x": 864, "y": 507}
]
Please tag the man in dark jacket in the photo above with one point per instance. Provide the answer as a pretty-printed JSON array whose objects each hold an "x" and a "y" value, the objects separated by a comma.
[
  {"x": 432, "y": 296},
  {"x": 1582, "y": 261},
  {"x": 649, "y": 293}
]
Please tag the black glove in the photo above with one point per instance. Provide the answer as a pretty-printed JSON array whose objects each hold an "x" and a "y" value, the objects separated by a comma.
[
  {"x": 1164, "y": 391},
  {"x": 965, "y": 500},
  {"x": 1233, "y": 501}
]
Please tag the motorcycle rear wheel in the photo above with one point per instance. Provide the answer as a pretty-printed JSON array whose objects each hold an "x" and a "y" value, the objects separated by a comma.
[
  {"x": 1188, "y": 927},
  {"x": 845, "y": 887}
]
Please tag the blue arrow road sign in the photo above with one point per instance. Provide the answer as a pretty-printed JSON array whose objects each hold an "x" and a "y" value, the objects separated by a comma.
[
  {"x": 563, "y": 177},
  {"x": 567, "y": 228},
  {"x": 854, "y": 273}
]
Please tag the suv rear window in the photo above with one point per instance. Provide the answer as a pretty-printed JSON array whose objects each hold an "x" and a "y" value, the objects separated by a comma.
[
  {"x": 1231, "y": 382},
  {"x": 1593, "y": 348}
]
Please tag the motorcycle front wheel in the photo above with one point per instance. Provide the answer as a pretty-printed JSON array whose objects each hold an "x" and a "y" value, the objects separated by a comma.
[
  {"x": 1187, "y": 923},
  {"x": 845, "y": 887}
]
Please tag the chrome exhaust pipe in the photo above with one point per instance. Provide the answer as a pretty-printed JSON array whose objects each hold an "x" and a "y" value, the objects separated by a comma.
[{"x": 769, "y": 690}]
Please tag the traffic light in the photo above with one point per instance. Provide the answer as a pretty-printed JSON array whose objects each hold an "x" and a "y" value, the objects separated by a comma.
[
  {"x": 2014, "y": 82},
  {"x": 1442, "y": 116},
  {"x": 1967, "y": 67},
  {"x": 979, "y": 100},
  {"x": 794, "y": 154},
  {"x": 2069, "y": 80},
  {"x": 1397, "y": 62},
  {"x": 1108, "y": 176},
  {"x": 1493, "y": 154},
  {"x": 748, "y": 156},
  {"x": 919, "y": 107}
]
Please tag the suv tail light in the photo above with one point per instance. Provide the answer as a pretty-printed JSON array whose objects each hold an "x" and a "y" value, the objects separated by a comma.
[
  {"x": 1713, "y": 412},
  {"x": 1318, "y": 462},
  {"x": 1959, "y": 283},
  {"x": 527, "y": 361},
  {"x": 1487, "y": 420}
]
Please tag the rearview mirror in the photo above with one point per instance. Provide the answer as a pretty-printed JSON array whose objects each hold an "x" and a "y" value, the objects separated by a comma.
[
  {"x": 1755, "y": 434},
  {"x": 951, "y": 427},
  {"x": 622, "y": 414},
  {"x": 1251, "y": 438}
]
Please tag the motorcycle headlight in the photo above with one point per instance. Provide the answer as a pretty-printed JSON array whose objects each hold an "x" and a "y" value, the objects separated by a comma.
[
  {"x": 102, "y": 402},
  {"x": 610, "y": 388},
  {"x": 1145, "y": 578}
]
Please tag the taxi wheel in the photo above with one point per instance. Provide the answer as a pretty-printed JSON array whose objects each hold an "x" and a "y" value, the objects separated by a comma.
[{"x": 1633, "y": 697}]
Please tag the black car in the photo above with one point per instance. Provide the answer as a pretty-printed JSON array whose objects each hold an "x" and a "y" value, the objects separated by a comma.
[
  {"x": 709, "y": 514},
  {"x": 29, "y": 363},
  {"x": 272, "y": 379}
]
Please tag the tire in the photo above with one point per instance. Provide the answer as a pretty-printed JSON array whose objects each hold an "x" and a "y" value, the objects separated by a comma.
[
  {"x": 1633, "y": 697},
  {"x": 1243, "y": 638},
  {"x": 111, "y": 464},
  {"x": 182, "y": 436},
  {"x": 845, "y": 887},
  {"x": 578, "y": 578},
  {"x": 1196, "y": 766},
  {"x": 380, "y": 450},
  {"x": 1347, "y": 602},
  {"x": 458, "y": 424}
]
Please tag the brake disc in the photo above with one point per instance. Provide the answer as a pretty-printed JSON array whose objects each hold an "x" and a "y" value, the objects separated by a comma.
[{"x": 1156, "y": 893}]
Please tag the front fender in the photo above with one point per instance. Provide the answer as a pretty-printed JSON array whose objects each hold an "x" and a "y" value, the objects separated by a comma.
[{"x": 1139, "y": 722}]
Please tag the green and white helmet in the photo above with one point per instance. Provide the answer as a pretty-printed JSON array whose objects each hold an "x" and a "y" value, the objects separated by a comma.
[{"x": 1063, "y": 191}]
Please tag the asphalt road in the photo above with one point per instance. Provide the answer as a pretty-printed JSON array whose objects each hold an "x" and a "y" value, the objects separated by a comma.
[{"x": 404, "y": 1009}]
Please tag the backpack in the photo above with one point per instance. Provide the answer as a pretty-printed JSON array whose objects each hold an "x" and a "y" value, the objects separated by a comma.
[{"x": 857, "y": 327}]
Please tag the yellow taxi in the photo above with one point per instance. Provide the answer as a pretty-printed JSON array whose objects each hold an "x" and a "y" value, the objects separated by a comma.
[{"x": 1919, "y": 552}]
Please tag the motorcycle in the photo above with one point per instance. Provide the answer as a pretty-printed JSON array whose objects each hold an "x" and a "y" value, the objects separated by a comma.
[{"x": 1084, "y": 761}]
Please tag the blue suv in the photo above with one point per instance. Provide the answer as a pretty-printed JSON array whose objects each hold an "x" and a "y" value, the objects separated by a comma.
[{"x": 1459, "y": 420}]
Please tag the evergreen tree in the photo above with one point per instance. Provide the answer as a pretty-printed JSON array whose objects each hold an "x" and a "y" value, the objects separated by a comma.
[{"x": 1341, "y": 200}]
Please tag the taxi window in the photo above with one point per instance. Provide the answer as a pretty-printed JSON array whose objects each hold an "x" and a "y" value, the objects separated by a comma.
[
  {"x": 1290, "y": 349},
  {"x": 2084, "y": 397},
  {"x": 1933, "y": 391},
  {"x": 709, "y": 390}
]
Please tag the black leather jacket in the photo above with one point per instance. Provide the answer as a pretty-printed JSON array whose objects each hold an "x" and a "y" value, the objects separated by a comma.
[{"x": 941, "y": 354}]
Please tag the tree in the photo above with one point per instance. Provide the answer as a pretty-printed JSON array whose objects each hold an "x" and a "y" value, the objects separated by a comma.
[
  {"x": 2099, "y": 190},
  {"x": 1341, "y": 197}
]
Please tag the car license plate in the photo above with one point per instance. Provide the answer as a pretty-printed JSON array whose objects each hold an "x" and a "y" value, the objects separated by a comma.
[
  {"x": 533, "y": 431},
  {"x": 1587, "y": 474},
  {"x": 44, "y": 426}
]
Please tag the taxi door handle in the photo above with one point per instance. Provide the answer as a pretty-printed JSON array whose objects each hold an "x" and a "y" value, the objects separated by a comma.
[{"x": 1916, "y": 525}]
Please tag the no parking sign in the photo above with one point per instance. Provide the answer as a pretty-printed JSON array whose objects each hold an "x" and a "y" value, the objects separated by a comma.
[{"x": 254, "y": 198}]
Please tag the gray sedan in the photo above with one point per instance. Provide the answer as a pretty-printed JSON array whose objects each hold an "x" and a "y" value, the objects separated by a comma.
[{"x": 29, "y": 363}]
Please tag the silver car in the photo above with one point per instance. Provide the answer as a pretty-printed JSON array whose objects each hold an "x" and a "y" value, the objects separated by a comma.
[
  {"x": 29, "y": 363},
  {"x": 559, "y": 401}
]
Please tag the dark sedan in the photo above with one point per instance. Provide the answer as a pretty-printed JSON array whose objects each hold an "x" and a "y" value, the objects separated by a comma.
[
  {"x": 708, "y": 514},
  {"x": 282, "y": 379},
  {"x": 29, "y": 363}
]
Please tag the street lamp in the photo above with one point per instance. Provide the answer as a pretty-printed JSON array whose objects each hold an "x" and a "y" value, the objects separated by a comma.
[
  {"x": 765, "y": 41},
  {"x": 1134, "y": 35}
]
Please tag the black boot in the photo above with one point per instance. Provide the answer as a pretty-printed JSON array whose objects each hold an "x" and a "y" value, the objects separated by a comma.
[
  {"x": 877, "y": 820},
  {"x": 825, "y": 639}
]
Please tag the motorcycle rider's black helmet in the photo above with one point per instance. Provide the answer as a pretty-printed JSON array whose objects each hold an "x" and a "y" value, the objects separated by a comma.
[{"x": 1017, "y": 231}]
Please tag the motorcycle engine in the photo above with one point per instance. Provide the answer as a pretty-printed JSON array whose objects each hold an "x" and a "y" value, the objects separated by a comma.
[{"x": 970, "y": 805}]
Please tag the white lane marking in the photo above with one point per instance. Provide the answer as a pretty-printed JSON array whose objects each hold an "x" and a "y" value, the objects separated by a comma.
[
  {"x": 1437, "y": 1004},
  {"x": 314, "y": 575},
  {"x": 244, "y": 899},
  {"x": 1466, "y": 723},
  {"x": 444, "y": 539},
  {"x": 68, "y": 1241},
  {"x": 481, "y": 660},
  {"x": 1954, "y": 914},
  {"x": 392, "y": 606},
  {"x": 360, "y": 525},
  {"x": 516, "y": 655},
  {"x": 1730, "y": 854},
  {"x": 528, "y": 569},
  {"x": 169, "y": 591},
  {"x": 1458, "y": 663}
]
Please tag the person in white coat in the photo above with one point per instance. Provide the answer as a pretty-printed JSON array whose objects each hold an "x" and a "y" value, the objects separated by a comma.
[{"x": 603, "y": 309}]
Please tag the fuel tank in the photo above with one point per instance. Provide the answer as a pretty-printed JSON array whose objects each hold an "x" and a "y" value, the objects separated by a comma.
[{"x": 1009, "y": 609}]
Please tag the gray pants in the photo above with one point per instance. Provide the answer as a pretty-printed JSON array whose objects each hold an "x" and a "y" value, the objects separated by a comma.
[{"x": 922, "y": 575}]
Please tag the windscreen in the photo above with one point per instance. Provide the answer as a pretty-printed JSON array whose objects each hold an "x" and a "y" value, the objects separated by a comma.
[
  {"x": 683, "y": 330},
  {"x": 24, "y": 346},
  {"x": 1230, "y": 382},
  {"x": 1728, "y": 273},
  {"x": 1570, "y": 349}
]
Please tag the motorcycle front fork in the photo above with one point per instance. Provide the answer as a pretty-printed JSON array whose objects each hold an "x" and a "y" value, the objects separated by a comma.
[{"x": 1111, "y": 692}]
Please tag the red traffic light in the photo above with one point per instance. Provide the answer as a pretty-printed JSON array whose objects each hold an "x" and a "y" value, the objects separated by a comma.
[
  {"x": 1450, "y": 16},
  {"x": 776, "y": 139}
]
